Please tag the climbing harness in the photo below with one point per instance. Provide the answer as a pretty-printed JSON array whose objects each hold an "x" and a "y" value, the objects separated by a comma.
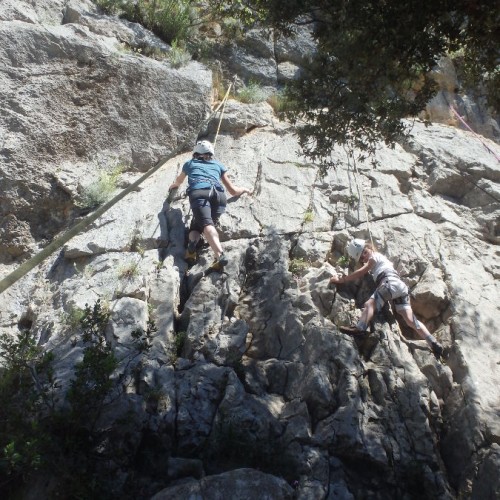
[
  {"x": 215, "y": 186},
  {"x": 382, "y": 289},
  {"x": 386, "y": 275}
]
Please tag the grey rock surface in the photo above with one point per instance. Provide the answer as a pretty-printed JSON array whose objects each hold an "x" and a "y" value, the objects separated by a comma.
[
  {"x": 78, "y": 104},
  {"x": 240, "y": 484},
  {"x": 249, "y": 389},
  {"x": 261, "y": 343}
]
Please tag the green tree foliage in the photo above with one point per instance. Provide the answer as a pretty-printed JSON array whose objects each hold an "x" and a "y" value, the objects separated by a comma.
[
  {"x": 39, "y": 435},
  {"x": 373, "y": 61},
  {"x": 92, "y": 383},
  {"x": 26, "y": 394}
]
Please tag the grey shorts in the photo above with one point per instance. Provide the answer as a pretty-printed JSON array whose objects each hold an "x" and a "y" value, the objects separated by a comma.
[{"x": 394, "y": 289}]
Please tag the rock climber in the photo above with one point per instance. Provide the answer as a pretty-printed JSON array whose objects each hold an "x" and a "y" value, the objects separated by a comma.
[
  {"x": 207, "y": 199},
  {"x": 389, "y": 286}
]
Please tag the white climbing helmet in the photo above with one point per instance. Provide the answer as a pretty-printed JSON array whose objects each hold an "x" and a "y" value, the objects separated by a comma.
[
  {"x": 355, "y": 248},
  {"x": 203, "y": 147}
]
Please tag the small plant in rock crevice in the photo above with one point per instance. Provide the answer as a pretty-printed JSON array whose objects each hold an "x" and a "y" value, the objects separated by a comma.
[
  {"x": 251, "y": 93},
  {"x": 154, "y": 397},
  {"x": 352, "y": 200},
  {"x": 145, "y": 50},
  {"x": 137, "y": 246},
  {"x": 73, "y": 317},
  {"x": 100, "y": 190},
  {"x": 343, "y": 261},
  {"x": 128, "y": 271},
  {"x": 179, "y": 341},
  {"x": 278, "y": 102},
  {"x": 178, "y": 55},
  {"x": 309, "y": 216},
  {"x": 298, "y": 265}
]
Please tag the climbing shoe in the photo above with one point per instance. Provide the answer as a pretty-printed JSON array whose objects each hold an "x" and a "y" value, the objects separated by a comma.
[
  {"x": 437, "y": 349},
  {"x": 352, "y": 330},
  {"x": 215, "y": 266},
  {"x": 190, "y": 255},
  {"x": 223, "y": 260},
  {"x": 218, "y": 265}
]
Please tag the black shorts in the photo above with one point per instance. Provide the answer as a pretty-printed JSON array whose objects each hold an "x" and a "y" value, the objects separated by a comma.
[{"x": 207, "y": 206}]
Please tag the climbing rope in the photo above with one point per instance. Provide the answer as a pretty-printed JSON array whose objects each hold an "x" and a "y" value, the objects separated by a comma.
[
  {"x": 362, "y": 197},
  {"x": 222, "y": 106},
  {"x": 57, "y": 243},
  {"x": 456, "y": 113},
  {"x": 223, "y": 103},
  {"x": 468, "y": 177}
]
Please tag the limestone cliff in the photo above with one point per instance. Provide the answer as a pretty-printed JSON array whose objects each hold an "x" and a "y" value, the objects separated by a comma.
[{"x": 249, "y": 389}]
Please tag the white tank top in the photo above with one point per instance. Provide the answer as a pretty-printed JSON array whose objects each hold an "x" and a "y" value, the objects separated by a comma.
[{"x": 382, "y": 264}]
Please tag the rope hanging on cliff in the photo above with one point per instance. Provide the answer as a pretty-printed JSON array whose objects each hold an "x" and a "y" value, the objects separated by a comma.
[
  {"x": 456, "y": 113},
  {"x": 466, "y": 175},
  {"x": 362, "y": 197},
  {"x": 37, "y": 259},
  {"x": 223, "y": 104},
  {"x": 222, "y": 107}
]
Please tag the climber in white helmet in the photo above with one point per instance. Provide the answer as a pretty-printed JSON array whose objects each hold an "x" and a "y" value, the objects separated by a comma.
[
  {"x": 389, "y": 286},
  {"x": 206, "y": 181}
]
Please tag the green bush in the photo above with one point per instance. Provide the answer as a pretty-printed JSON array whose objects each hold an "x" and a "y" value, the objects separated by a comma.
[
  {"x": 278, "y": 102},
  {"x": 168, "y": 19},
  {"x": 173, "y": 20},
  {"x": 27, "y": 388},
  {"x": 252, "y": 93},
  {"x": 101, "y": 190},
  {"x": 62, "y": 442},
  {"x": 92, "y": 382},
  {"x": 178, "y": 55}
]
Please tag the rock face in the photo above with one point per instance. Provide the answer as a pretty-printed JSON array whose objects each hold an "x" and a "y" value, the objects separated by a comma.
[
  {"x": 239, "y": 484},
  {"x": 452, "y": 107},
  {"x": 70, "y": 96},
  {"x": 249, "y": 389}
]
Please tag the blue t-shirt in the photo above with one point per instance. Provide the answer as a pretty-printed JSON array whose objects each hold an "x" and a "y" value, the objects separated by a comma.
[{"x": 203, "y": 174}]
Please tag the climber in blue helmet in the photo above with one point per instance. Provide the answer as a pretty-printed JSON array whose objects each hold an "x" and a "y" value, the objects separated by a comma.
[
  {"x": 206, "y": 181},
  {"x": 389, "y": 286}
]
